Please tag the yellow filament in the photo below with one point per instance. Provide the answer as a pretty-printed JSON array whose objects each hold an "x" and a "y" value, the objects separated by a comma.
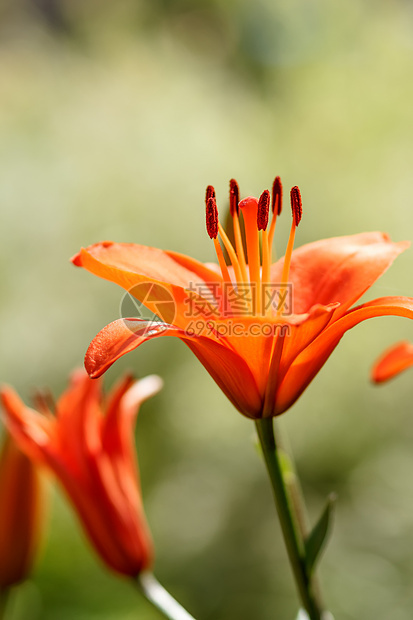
[
  {"x": 266, "y": 264},
  {"x": 240, "y": 247},
  {"x": 232, "y": 255},
  {"x": 271, "y": 234},
  {"x": 221, "y": 260},
  {"x": 287, "y": 261},
  {"x": 272, "y": 228}
]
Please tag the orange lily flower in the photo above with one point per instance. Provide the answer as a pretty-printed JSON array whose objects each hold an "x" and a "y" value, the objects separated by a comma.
[
  {"x": 294, "y": 312},
  {"x": 20, "y": 514},
  {"x": 392, "y": 362},
  {"x": 93, "y": 457}
]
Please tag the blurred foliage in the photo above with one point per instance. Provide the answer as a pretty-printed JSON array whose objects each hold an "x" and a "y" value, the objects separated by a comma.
[{"x": 113, "y": 119}]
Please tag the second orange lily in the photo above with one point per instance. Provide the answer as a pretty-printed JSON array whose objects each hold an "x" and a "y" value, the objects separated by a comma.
[
  {"x": 93, "y": 456},
  {"x": 262, "y": 330}
]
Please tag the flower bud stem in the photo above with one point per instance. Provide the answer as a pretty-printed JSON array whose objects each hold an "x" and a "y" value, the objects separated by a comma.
[
  {"x": 288, "y": 519},
  {"x": 160, "y": 598}
]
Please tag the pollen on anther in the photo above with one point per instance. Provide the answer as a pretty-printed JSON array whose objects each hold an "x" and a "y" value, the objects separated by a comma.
[
  {"x": 277, "y": 195},
  {"x": 233, "y": 196},
  {"x": 296, "y": 204},
  {"x": 210, "y": 193},
  {"x": 263, "y": 210},
  {"x": 212, "y": 217}
]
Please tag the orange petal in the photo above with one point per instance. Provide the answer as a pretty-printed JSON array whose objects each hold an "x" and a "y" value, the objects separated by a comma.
[
  {"x": 124, "y": 408},
  {"x": 33, "y": 432},
  {"x": 252, "y": 337},
  {"x": 226, "y": 367},
  {"x": 114, "y": 400},
  {"x": 20, "y": 514},
  {"x": 79, "y": 420},
  {"x": 392, "y": 362},
  {"x": 301, "y": 335},
  {"x": 114, "y": 528},
  {"x": 204, "y": 272},
  {"x": 339, "y": 269},
  {"x": 136, "y": 268},
  {"x": 117, "y": 431},
  {"x": 309, "y": 362},
  {"x": 81, "y": 428}
]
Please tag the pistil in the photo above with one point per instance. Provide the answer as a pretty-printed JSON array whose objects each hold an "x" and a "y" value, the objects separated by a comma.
[{"x": 249, "y": 208}]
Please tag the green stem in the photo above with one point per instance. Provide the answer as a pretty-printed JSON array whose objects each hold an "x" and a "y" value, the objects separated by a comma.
[
  {"x": 4, "y": 597},
  {"x": 288, "y": 520},
  {"x": 160, "y": 598}
]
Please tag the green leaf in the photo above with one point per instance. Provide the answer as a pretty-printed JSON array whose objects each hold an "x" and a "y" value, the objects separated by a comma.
[{"x": 316, "y": 539}]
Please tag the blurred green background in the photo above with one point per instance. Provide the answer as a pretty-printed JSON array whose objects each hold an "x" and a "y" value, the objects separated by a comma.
[{"x": 114, "y": 116}]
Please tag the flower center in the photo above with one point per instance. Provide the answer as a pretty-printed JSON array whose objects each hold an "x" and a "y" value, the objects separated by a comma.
[{"x": 253, "y": 269}]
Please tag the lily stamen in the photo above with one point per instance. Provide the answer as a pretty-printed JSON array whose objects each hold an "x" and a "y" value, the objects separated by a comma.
[
  {"x": 276, "y": 207},
  {"x": 297, "y": 211},
  {"x": 262, "y": 223},
  {"x": 212, "y": 225},
  {"x": 234, "y": 210}
]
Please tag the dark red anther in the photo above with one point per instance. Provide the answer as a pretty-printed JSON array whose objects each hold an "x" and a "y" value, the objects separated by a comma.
[
  {"x": 296, "y": 205},
  {"x": 233, "y": 197},
  {"x": 210, "y": 193},
  {"x": 277, "y": 195},
  {"x": 263, "y": 210},
  {"x": 212, "y": 217}
]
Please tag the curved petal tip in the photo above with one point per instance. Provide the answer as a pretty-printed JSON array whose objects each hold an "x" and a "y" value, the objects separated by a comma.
[
  {"x": 142, "y": 390},
  {"x": 392, "y": 362}
]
